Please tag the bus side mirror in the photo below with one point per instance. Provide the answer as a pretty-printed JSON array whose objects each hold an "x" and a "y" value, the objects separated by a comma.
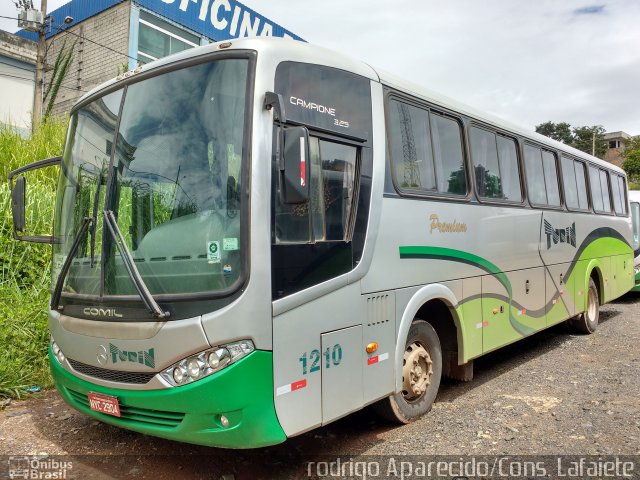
[
  {"x": 295, "y": 166},
  {"x": 18, "y": 200},
  {"x": 17, "y": 203}
]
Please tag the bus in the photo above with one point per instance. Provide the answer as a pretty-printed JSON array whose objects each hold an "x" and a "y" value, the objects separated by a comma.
[
  {"x": 634, "y": 202},
  {"x": 257, "y": 237}
]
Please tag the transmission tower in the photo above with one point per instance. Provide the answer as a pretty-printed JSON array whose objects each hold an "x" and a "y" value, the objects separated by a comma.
[{"x": 411, "y": 168}]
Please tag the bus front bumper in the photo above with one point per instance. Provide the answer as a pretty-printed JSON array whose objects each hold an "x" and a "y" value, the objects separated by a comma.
[{"x": 242, "y": 393}]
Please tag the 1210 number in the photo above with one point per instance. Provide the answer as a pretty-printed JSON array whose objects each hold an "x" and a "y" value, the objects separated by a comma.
[{"x": 311, "y": 363}]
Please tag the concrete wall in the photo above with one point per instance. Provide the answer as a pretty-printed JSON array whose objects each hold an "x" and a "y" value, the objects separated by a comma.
[
  {"x": 17, "y": 77},
  {"x": 92, "y": 64}
]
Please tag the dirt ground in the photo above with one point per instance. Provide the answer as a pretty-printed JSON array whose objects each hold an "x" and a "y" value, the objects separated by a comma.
[{"x": 552, "y": 393}]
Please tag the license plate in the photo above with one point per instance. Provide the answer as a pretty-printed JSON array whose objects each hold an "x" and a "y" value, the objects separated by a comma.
[{"x": 104, "y": 404}]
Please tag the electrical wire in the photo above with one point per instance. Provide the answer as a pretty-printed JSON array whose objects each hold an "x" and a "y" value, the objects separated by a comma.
[
  {"x": 83, "y": 38},
  {"x": 33, "y": 80}
]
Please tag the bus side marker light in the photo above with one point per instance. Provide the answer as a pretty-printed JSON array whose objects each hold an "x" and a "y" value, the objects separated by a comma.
[
  {"x": 372, "y": 347},
  {"x": 292, "y": 387},
  {"x": 377, "y": 359}
]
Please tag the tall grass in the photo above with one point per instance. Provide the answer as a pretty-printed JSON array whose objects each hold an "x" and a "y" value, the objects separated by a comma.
[{"x": 25, "y": 267}]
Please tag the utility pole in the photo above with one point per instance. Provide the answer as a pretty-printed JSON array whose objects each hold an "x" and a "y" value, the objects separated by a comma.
[
  {"x": 40, "y": 63},
  {"x": 593, "y": 144}
]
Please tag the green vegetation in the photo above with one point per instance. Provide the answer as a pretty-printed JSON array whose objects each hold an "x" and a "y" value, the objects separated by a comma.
[
  {"x": 582, "y": 138},
  {"x": 631, "y": 162},
  {"x": 25, "y": 267}
]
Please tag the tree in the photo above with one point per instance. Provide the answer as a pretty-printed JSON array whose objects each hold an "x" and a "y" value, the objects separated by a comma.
[
  {"x": 582, "y": 138},
  {"x": 585, "y": 138},
  {"x": 631, "y": 156},
  {"x": 558, "y": 131}
]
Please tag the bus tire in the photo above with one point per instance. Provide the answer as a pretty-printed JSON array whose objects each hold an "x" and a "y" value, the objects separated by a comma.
[
  {"x": 421, "y": 373},
  {"x": 587, "y": 322}
]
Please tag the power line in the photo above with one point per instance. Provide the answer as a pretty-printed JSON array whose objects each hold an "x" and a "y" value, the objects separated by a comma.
[
  {"x": 96, "y": 43},
  {"x": 84, "y": 38},
  {"x": 32, "y": 80}
]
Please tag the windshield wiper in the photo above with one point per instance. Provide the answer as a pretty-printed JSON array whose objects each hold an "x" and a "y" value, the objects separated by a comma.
[
  {"x": 138, "y": 282},
  {"x": 96, "y": 200},
  {"x": 57, "y": 291}
]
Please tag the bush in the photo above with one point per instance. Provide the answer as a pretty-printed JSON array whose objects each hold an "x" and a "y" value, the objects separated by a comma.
[{"x": 25, "y": 267}]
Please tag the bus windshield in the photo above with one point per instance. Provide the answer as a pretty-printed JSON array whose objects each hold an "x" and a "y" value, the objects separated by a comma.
[{"x": 165, "y": 155}]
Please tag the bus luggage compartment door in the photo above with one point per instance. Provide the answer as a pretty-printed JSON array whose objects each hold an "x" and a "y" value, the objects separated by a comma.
[{"x": 341, "y": 363}]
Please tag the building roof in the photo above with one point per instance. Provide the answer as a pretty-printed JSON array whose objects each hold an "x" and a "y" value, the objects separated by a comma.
[
  {"x": 216, "y": 22},
  {"x": 616, "y": 135},
  {"x": 17, "y": 48}
]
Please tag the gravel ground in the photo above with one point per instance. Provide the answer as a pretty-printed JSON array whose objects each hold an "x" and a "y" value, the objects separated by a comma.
[{"x": 552, "y": 393}]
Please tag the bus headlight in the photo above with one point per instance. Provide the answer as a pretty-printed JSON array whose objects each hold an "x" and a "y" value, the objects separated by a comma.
[
  {"x": 56, "y": 351},
  {"x": 203, "y": 364}
]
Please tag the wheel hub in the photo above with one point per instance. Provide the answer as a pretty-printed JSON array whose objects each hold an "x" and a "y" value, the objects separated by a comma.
[{"x": 416, "y": 371}]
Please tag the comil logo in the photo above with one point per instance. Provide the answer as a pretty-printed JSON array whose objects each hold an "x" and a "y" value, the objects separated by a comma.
[
  {"x": 560, "y": 235},
  {"x": 101, "y": 312}
]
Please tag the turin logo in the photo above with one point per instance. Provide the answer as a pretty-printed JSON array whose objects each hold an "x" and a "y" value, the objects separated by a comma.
[
  {"x": 141, "y": 357},
  {"x": 560, "y": 235}
]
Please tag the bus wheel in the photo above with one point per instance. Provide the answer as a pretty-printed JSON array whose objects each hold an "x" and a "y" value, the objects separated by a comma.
[
  {"x": 587, "y": 322},
  {"x": 421, "y": 372}
]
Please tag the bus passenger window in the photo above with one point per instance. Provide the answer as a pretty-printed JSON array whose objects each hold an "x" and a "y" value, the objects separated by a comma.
[
  {"x": 596, "y": 189},
  {"x": 604, "y": 183},
  {"x": 447, "y": 154},
  {"x": 551, "y": 178},
  {"x": 535, "y": 175},
  {"x": 410, "y": 147},
  {"x": 484, "y": 153},
  {"x": 581, "y": 183},
  {"x": 495, "y": 162},
  {"x": 623, "y": 194},
  {"x": 569, "y": 183},
  {"x": 509, "y": 169},
  {"x": 615, "y": 191}
]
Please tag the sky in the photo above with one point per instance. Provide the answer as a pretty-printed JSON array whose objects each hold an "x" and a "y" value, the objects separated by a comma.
[{"x": 528, "y": 62}]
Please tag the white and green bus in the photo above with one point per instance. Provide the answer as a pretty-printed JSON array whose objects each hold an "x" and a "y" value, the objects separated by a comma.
[
  {"x": 258, "y": 237},
  {"x": 634, "y": 202}
]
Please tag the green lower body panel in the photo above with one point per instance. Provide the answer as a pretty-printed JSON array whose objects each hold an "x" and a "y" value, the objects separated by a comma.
[
  {"x": 636, "y": 285},
  {"x": 243, "y": 393}
]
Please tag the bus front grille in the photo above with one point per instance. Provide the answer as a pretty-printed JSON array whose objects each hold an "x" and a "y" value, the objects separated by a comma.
[
  {"x": 142, "y": 416},
  {"x": 139, "y": 378}
]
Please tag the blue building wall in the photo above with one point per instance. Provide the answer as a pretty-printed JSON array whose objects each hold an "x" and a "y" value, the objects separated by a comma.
[{"x": 215, "y": 19}]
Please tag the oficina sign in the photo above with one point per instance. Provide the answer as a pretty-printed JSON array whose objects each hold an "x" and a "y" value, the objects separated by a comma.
[{"x": 217, "y": 19}]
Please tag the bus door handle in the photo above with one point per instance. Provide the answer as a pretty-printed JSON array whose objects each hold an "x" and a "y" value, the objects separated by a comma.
[{"x": 527, "y": 287}]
